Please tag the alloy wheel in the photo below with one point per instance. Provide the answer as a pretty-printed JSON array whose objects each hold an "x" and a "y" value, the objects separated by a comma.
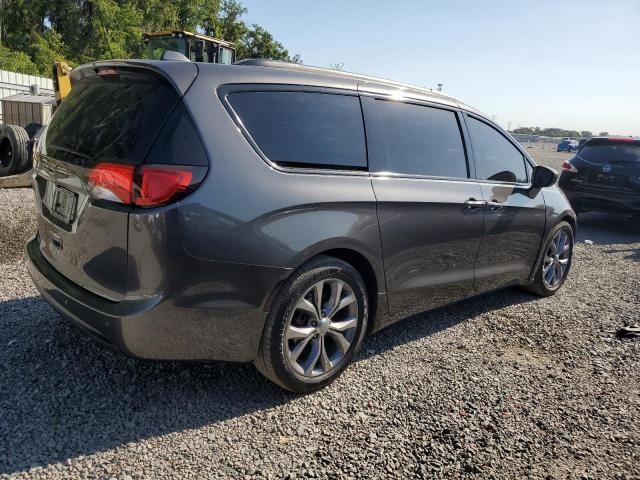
[
  {"x": 321, "y": 328},
  {"x": 556, "y": 259}
]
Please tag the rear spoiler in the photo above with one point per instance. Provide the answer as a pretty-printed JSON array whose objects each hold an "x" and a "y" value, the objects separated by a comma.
[{"x": 180, "y": 74}]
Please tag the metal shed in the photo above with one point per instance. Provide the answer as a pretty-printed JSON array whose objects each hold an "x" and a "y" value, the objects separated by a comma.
[{"x": 22, "y": 109}]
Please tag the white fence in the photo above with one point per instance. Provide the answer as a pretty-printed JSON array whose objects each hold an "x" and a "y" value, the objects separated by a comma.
[{"x": 12, "y": 83}]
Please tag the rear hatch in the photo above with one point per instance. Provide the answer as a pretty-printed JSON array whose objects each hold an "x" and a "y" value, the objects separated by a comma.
[
  {"x": 609, "y": 164},
  {"x": 87, "y": 171}
]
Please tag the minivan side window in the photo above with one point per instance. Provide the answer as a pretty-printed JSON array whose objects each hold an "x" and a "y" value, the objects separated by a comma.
[
  {"x": 496, "y": 157},
  {"x": 414, "y": 139},
  {"x": 304, "y": 129}
]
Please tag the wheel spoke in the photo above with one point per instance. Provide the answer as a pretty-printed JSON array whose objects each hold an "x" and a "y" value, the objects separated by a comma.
[
  {"x": 561, "y": 240},
  {"x": 557, "y": 274},
  {"x": 307, "y": 307},
  {"x": 295, "y": 333},
  {"x": 324, "y": 358},
  {"x": 345, "y": 302},
  {"x": 317, "y": 297},
  {"x": 311, "y": 361},
  {"x": 548, "y": 276},
  {"x": 336, "y": 294},
  {"x": 563, "y": 261},
  {"x": 342, "y": 343},
  {"x": 297, "y": 350},
  {"x": 345, "y": 325}
]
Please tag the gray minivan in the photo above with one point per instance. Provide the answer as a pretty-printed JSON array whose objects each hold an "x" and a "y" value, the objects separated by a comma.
[{"x": 277, "y": 213}]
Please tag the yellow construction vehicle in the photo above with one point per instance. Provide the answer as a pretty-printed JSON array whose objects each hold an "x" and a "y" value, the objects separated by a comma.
[
  {"x": 61, "y": 80},
  {"x": 196, "y": 47}
]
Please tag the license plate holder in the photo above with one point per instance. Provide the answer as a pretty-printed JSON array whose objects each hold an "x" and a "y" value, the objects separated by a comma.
[{"x": 61, "y": 202}]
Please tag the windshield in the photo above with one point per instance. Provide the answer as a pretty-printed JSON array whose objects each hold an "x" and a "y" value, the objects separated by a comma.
[
  {"x": 157, "y": 46},
  {"x": 611, "y": 152}
]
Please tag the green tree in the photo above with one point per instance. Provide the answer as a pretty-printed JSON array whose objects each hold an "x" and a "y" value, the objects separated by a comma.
[
  {"x": 586, "y": 133},
  {"x": 38, "y": 32},
  {"x": 258, "y": 43},
  {"x": 229, "y": 25},
  {"x": 17, "y": 62},
  {"x": 603, "y": 134}
]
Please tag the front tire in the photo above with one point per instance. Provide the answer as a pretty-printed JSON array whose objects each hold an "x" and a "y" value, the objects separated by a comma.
[
  {"x": 315, "y": 326},
  {"x": 555, "y": 263}
]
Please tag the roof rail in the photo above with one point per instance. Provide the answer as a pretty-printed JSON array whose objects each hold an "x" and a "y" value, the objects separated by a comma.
[{"x": 261, "y": 62}]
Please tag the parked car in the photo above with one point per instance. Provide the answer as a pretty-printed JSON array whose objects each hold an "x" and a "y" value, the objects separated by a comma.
[
  {"x": 567, "y": 146},
  {"x": 604, "y": 176},
  {"x": 276, "y": 213}
]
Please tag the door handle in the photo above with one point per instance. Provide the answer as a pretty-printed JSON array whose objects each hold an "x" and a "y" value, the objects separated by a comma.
[
  {"x": 494, "y": 205},
  {"x": 473, "y": 204}
]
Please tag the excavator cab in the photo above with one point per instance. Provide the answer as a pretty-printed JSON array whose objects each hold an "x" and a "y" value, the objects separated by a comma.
[{"x": 196, "y": 47}]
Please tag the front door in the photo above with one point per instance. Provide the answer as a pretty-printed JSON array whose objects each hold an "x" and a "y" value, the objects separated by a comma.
[
  {"x": 429, "y": 206},
  {"x": 514, "y": 219}
]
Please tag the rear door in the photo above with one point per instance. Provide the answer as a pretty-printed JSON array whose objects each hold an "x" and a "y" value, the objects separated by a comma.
[
  {"x": 514, "y": 219},
  {"x": 110, "y": 118},
  {"x": 429, "y": 206}
]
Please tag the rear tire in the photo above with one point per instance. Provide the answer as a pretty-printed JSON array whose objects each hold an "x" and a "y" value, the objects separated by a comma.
[
  {"x": 14, "y": 150},
  {"x": 304, "y": 350},
  {"x": 552, "y": 270}
]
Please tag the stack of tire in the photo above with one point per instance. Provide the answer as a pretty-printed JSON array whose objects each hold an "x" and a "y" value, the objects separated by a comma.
[{"x": 14, "y": 150}]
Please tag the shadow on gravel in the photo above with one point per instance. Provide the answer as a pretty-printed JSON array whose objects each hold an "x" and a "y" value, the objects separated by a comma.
[
  {"x": 427, "y": 323},
  {"x": 622, "y": 233},
  {"x": 63, "y": 395}
]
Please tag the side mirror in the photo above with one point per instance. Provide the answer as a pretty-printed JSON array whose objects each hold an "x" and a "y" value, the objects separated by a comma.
[{"x": 543, "y": 177}]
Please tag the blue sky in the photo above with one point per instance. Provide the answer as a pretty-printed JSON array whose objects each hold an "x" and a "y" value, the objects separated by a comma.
[{"x": 565, "y": 63}]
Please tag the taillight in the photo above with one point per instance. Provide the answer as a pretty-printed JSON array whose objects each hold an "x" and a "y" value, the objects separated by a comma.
[
  {"x": 567, "y": 166},
  {"x": 144, "y": 185},
  {"x": 112, "y": 182},
  {"x": 156, "y": 185}
]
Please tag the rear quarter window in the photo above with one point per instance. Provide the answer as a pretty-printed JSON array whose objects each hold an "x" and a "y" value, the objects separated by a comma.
[{"x": 304, "y": 129}]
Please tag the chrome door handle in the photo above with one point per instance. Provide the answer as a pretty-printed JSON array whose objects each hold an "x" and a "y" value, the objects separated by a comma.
[
  {"x": 494, "y": 205},
  {"x": 473, "y": 204}
]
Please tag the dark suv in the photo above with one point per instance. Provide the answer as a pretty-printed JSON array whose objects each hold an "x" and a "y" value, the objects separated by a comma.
[
  {"x": 604, "y": 176},
  {"x": 276, "y": 213}
]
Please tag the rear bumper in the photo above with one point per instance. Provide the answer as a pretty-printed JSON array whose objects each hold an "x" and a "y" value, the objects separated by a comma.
[
  {"x": 153, "y": 327},
  {"x": 594, "y": 199}
]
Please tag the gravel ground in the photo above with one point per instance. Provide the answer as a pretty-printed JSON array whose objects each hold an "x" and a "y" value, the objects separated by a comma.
[{"x": 504, "y": 386}]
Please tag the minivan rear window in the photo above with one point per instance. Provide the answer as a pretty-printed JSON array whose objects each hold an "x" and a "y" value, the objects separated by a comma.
[
  {"x": 110, "y": 118},
  {"x": 610, "y": 152},
  {"x": 304, "y": 129}
]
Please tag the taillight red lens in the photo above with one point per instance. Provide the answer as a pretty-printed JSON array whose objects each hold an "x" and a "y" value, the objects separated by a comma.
[
  {"x": 112, "y": 181},
  {"x": 156, "y": 185},
  {"x": 143, "y": 186},
  {"x": 567, "y": 166}
]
